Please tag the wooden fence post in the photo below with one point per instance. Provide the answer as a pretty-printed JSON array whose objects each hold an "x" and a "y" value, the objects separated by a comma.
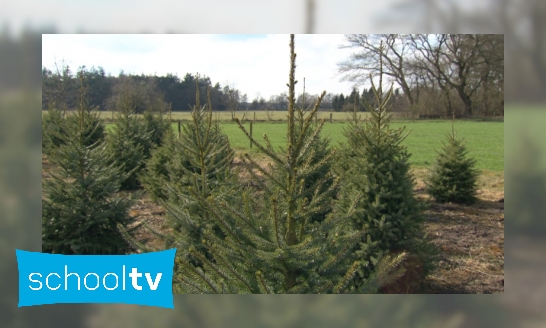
[
  {"x": 251, "y": 131},
  {"x": 179, "y": 130},
  {"x": 330, "y": 117}
]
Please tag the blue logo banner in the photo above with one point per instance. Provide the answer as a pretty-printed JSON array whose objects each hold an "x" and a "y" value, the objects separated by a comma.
[{"x": 143, "y": 279}]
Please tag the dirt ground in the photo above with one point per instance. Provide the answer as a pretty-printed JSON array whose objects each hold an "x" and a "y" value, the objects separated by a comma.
[{"x": 471, "y": 238}]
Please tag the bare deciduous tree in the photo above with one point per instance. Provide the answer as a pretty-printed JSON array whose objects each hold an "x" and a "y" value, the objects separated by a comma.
[
  {"x": 454, "y": 60},
  {"x": 366, "y": 59}
]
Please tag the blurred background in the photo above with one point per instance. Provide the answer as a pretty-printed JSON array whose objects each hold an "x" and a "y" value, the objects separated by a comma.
[{"x": 523, "y": 23}]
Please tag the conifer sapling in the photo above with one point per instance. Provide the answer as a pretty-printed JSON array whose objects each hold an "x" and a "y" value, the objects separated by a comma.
[
  {"x": 453, "y": 176},
  {"x": 81, "y": 211},
  {"x": 269, "y": 242}
]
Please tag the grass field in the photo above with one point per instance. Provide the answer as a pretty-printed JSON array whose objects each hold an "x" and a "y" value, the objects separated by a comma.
[
  {"x": 484, "y": 140},
  {"x": 275, "y": 116}
]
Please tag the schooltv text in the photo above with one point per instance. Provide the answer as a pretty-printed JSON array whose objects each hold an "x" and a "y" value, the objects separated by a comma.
[{"x": 143, "y": 279}]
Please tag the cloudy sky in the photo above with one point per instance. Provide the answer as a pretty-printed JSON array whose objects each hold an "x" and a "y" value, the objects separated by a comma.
[{"x": 254, "y": 63}]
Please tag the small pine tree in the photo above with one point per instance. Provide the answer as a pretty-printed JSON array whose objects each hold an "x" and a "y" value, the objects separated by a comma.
[
  {"x": 185, "y": 170},
  {"x": 201, "y": 166},
  {"x": 321, "y": 176},
  {"x": 156, "y": 174},
  {"x": 52, "y": 119},
  {"x": 81, "y": 211},
  {"x": 201, "y": 147},
  {"x": 53, "y": 131},
  {"x": 453, "y": 177},
  {"x": 374, "y": 164},
  {"x": 269, "y": 244},
  {"x": 129, "y": 144},
  {"x": 158, "y": 126}
]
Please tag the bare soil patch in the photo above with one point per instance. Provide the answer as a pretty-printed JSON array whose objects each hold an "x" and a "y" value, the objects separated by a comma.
[{"x": 471, "y": 239}]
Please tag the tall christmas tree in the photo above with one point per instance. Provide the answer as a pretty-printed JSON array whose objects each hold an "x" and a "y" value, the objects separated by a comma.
[
  {"x": 374, "y": 164},
  {"x": 81, "y": 211},
  {"x": 453, "y": 176},
  {"x": 268, "y": 241}
]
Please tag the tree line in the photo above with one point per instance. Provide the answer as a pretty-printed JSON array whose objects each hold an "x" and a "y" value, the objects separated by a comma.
[
  {"x": 164, "y": 93},
  {"x": 143, "y": 92},
  {"x": 443, "y": 74},
  {"x": 169, "y": 92}
]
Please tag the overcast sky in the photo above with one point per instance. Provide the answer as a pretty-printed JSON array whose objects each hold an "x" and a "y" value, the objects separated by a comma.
[{"x": 254, "y": 63}]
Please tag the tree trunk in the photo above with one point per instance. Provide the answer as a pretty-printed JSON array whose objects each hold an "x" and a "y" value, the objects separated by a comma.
[{"x": 466, "y": 101}]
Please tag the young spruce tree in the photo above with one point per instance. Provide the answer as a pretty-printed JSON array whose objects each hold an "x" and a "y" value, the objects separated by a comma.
[
  {"x": 322, "y": 177},
  {"x": 374, "y": 164},
  {"x": 268, "y": 241},
  {"x": 155, "y": 175},
  {"x": 54, "y": 131},
  {"x": 81, "y": 211},
  {"x": 453, "y": 176},
  {"x": 201, "y": 149},
  {"x": 158, "y": 126},
  {"x": 129, "y": 143},
  {"x": 185, "y": 170}
]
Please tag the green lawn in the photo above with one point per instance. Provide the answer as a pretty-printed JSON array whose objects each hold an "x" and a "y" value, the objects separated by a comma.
[
  {"x": 250, "y": 115},
  {"x": 485, "y": 140}
]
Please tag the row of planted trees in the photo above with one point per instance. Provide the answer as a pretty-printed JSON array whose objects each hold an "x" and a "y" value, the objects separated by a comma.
[{"x": 316, "y": 220}]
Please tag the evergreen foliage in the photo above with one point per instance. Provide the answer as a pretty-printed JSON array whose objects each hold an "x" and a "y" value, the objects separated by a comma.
[
  {"x": 268, "y": 241},
  {"x": 322, "y": 177},
  {"x": 201, "y": 152},
  {"x": 158, "y": 126},
  {"x": 129, "y": 143},
  {"x": 185, "y": 170},
  {"x": 53, "y": 129},
  {"x": 375, "y": 165},
  {"x": 156, "y": 174},
  {"x": 81, "y": 210},
  {"x": 453, "y": 176}
]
